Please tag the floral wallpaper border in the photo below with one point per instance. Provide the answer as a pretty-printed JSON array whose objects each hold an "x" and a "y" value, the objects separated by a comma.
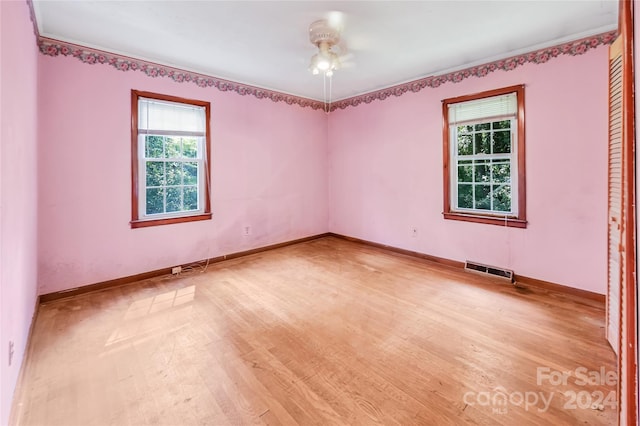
[
  {"x": 122, "y": 63},
  {"x": 541, "y": 56},
  {"x": 51, "y": 47}
]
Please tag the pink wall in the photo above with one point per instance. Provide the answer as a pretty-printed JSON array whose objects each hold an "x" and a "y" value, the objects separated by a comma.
[
  {"x": 385, "y": 174},
  {"x": 268, "y": 172},
  {"x": 18, "y": 190}
]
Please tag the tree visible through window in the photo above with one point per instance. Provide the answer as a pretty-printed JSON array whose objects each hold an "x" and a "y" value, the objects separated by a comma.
[
  {"x": 170, "y": 150},
  {"x": 484, "y": 157},
  {"x": 172, "y": 166}
]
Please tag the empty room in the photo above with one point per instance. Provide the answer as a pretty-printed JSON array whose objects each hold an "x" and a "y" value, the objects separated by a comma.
[{"x": 318, "y": 212}]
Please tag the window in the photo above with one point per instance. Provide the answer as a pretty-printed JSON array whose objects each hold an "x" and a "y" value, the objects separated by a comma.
[
  {"x": 484, "y": 179},
  {"x": 170, "y": 148}
]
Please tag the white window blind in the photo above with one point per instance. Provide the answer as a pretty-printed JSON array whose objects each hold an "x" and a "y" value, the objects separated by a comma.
[
  {"x": 486, "y": 109},
  {"x": 170, "y": 118}
]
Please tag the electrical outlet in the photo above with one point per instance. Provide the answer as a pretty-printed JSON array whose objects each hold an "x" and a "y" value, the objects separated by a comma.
[
  {"x": 176, "y": 270},
  {"x": 246, "y": 231},
  {"x": 10, "y": 351},
  {"x": 414, "y": 232}
]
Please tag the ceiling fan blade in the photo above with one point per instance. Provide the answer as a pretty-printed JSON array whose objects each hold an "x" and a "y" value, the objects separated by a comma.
[
  {"x": 341, "y": 48},
  {"x": 336, "y": 19},
  {"x": 346, "y": 57}
]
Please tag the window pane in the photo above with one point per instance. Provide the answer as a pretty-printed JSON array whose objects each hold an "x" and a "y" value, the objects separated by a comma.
[
  {"x": 190, "y": 173},
  {"x": 482, "y": 197},
  {"x": 501, "y": 142},
  {"x": 174, "y": 199},
  {"x": 465, "y": 196},
  {"x": 190, "y": 147},
  {"x": 155, "y": 200},
  {"x": 501, "y": 172},
  {"x": 190, "y": 197},
  {"x": 502, "y": 198},
  {"x": 482, "y": 143},
  {"x": 155, "y": 173},
  {"x": 504, "y": 124},
  {"x": 465, "y": 146},
  {"x": 482, "y": 173},
  {"x": 172, "y": 147},
  {"x": 465, "y": 129},
  {"x": 483, "y": 126},
  {"x": 153, "y": 146},
  {"x": 465, "y": 174},
  {"x": 174, "y": 173}
]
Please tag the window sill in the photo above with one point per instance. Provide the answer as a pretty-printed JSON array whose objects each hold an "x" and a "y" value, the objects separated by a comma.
[
  {"x": 169, "y": 220},
  {"x": 489, "y": 220}
]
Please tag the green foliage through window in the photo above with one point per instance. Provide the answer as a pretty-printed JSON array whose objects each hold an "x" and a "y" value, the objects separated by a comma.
[
  {"x": 484, "y": 166},
  {"x": 171, "y": 174}
]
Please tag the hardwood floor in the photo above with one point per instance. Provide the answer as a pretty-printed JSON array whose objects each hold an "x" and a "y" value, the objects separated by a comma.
[{"x": 323, "y": 332}]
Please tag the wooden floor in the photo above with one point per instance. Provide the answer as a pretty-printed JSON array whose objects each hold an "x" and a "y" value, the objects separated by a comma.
[{"x": 323, "y": 332}]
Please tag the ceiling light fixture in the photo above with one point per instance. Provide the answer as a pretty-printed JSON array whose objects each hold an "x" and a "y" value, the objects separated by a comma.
[{"x": 324, "y": 36}]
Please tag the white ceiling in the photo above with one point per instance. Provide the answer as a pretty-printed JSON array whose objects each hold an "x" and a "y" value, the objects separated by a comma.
[{"x": 265, "y": 43}]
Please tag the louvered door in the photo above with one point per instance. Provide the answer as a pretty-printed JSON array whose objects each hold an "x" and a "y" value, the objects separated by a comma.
[
  {"x": 622, "y": 303},
  {"x": 615, "y": 193},
  {"x": 622, "y": 282}
]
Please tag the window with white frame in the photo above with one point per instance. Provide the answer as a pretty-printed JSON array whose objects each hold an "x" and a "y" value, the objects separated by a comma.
[
  {"x": 484, "y": 157},
  {"x": 170, "y": 147}
]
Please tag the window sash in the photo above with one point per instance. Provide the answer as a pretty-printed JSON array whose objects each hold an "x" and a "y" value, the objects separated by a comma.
[
  {"x": 142, "y": 179},
  {"x": 456, "y": 159}
]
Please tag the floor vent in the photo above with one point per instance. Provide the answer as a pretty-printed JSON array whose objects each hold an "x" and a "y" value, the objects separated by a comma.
[{"x": 489, "y": 270}]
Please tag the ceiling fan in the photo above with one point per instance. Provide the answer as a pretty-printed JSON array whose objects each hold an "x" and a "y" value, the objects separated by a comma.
[{"x": 332, "y": 54}]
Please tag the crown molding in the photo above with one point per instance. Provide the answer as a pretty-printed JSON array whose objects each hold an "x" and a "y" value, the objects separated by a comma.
[{"x": 34, "y": 21}]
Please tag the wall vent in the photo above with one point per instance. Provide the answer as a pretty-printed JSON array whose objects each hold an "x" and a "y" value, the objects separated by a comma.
[{"x": 489, "y": 270}]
